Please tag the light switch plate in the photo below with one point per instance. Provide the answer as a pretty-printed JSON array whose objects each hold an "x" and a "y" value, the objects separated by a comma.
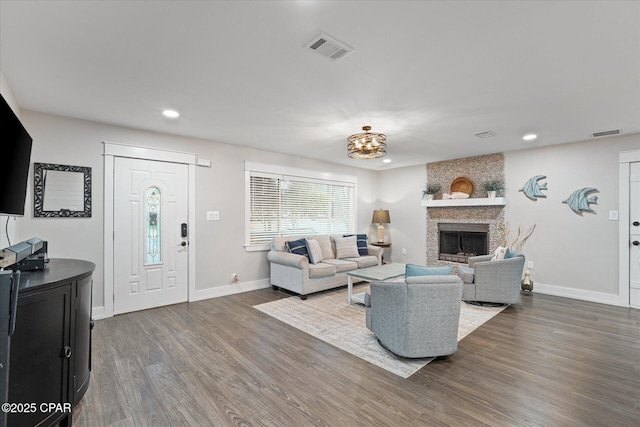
[
  {"x": 213, "y": 215},
  {"x": 613, "y": 215}
]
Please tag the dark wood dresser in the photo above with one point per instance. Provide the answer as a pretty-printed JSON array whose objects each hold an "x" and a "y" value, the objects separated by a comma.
[{"x": 50, "y": 351}]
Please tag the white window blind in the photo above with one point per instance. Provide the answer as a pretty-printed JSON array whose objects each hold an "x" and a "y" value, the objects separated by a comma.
[{"x": 297, "y": 206}]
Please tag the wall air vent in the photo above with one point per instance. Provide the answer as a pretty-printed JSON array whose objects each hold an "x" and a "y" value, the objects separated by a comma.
[
  {"x": 608, "y": 132},
  {"x": 485, "y": 134},
  {"x": 328, "y": 47}
]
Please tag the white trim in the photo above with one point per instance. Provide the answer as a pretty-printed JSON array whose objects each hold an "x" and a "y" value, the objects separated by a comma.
[
  {"x": 580, "y": 294},
  {"x": 192, "y": 232},
  {"x": 146, "y": 153},
  {"x": 108, "y": 235},
  {"x": 625, "y": 158},
  {"x": 300, "y": 173},
  {"x": 113, "y": 150},
  {"x": 220, "y": 291}
]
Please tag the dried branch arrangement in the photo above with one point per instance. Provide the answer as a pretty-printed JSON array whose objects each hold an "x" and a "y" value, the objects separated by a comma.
[{"x": 506, "y": 240}]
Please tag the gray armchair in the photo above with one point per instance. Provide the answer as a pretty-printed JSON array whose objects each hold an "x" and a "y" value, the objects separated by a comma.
[
  {"x": 416, "y": 318},
  {"x": 487, "y": 281}
]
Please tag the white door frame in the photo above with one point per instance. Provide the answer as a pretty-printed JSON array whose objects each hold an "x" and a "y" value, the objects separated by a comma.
[
  {"x": 626, "y": 157},
  {"x": 113, "y": 150}
]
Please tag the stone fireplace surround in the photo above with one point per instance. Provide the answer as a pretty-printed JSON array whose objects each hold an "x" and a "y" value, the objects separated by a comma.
[{"x": 479, "y": 169}]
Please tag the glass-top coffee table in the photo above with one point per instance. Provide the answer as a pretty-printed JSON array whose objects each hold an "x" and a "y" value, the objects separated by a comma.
[{"x": 372, "y": 274}]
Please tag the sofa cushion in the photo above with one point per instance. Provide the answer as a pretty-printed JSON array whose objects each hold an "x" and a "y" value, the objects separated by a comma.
[
  {"x": 346, "y": 247},
  {"x": 298, "y": 247},
  {"x": 321, "y": 270},
  {"x": 325, "y": 245},
  {"x": 419, "y": 270},
  {"x": 364, "y": 261},
  {"x": 361, "y": 242},
  {"x": 465, "y": 273},
  {"x": 342, "y": 265},
  {"x": 315, "y": 253}
]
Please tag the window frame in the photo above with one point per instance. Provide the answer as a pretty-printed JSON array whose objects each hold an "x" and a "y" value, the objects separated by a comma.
[{"x": 291, "y": 173}]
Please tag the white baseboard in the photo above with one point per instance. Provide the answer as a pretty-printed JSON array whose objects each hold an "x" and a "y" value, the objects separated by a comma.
[
  {"x": 220, "y": 291},
  {"x": 202, "y": 294},
  {"x": 559, "y": 291}
]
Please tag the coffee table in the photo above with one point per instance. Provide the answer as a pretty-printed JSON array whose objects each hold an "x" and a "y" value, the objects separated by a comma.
[{"x": 376, "y": 273}]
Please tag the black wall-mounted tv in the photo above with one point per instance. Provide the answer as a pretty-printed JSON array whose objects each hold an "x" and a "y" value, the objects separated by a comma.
[{"x": 15, "y": 158}]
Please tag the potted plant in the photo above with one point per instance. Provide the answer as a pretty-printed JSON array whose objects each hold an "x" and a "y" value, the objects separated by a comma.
[
  {"x": 492, "y": 187},
  {"x": 430, "y": 191}
]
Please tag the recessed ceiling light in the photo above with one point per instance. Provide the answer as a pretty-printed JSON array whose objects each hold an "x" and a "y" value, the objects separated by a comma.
[
  {"x": 386, "y": 161},
  {"x": 172, "y": 114},
  {"x": 530, "y": 137}
]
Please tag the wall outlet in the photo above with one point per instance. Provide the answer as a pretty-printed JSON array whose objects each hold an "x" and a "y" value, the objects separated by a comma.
[
  {"x": 213, "y": 215},
  {"x": 404, "y": 251},
  {"x": 613, "y": 215},
  {"x": 530, "y": 264},
  {"x": 234, "y": 278}
]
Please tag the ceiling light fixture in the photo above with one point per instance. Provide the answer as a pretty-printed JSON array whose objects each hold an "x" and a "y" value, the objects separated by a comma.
[
  {"x": 386, "y": 161},
  {"x": 530, "y": 137},
  {"x": 172, "y": 114},
  {"x": 367, "y": 145}
]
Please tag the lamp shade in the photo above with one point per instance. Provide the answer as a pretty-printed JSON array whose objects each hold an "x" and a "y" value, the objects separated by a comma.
[{"x": 381, "y": 216}]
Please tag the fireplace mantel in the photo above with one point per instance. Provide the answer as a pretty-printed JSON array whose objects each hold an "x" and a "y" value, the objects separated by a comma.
[{"x": 476, "y": 201}]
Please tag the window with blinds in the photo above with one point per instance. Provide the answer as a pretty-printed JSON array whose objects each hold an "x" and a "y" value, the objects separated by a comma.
[{"x": 297, "y": 206}]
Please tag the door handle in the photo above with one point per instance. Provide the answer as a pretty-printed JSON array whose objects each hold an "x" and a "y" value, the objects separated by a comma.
[
  {"x": 635, "y": 243},
  {"x": 183, "y": 244},
  {"x": 636, "y": 223}
]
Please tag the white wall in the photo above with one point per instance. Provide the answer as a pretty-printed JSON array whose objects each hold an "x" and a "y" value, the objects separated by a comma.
[
  {"x": 219, "y": 244},
  {"x": 400, "y": 191},
  {"x": 573, "y": 255}
]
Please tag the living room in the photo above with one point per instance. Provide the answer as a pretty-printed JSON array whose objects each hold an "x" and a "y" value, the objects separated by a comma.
[{"x": 574, "y": 256}]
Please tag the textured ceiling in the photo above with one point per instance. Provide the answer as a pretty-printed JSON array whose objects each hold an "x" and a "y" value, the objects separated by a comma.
[{"x": 428, "y": 74}]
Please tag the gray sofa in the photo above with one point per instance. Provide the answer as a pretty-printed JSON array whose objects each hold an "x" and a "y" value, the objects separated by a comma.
[
  {"x": 295, "y": 273},
  {"x": 492, "y": 281},
  {"x": 418, "y": 317}
]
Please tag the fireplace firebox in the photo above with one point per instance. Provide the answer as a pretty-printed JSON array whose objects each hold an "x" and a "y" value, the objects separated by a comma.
[{"x": 458, "y": 242}]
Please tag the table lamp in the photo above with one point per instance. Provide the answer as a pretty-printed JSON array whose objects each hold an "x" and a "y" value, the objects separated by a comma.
[{"x": 381, "y": 216}]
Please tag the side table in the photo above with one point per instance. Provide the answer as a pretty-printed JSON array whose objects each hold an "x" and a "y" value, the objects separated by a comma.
[{"x": 382, "y": 245}]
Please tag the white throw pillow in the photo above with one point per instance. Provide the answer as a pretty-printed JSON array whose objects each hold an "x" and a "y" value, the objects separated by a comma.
[
  {"x": 499, "y": 253},
  {"x": 347, "y": 247},
  {"x": 315, "y": 253}
]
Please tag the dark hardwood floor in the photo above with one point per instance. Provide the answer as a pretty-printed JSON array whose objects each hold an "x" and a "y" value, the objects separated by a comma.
[{"x": 547, "y": 361}]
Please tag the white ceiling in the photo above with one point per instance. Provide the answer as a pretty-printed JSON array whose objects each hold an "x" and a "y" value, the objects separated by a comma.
[{"x": 428, "y": 74}]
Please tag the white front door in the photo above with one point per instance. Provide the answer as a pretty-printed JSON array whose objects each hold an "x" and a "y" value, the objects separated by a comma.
[
  {"x": 634, "y": 234},
  {"x": 150, "y": 234}
]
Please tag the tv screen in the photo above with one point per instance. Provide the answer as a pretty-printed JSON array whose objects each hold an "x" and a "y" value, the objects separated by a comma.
[{"x": 15, "y": 157}]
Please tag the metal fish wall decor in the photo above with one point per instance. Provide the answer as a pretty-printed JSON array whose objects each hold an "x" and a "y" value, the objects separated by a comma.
[
  {"x": 579, "y": 202},
  {"x": 532, "y": 188}
]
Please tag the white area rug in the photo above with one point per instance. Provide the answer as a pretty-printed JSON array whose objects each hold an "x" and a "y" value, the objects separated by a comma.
[{"x": 328, "y": 317}]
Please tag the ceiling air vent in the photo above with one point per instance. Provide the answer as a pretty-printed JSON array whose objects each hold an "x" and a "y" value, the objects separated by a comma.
[
  {"x": 328, "y": 47},
  {"x": 608, "y": 132},
  {"x": 485, "y": 134}
]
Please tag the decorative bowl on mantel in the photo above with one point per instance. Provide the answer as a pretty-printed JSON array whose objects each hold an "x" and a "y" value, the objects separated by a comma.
[{"x": 462, "y": 184}]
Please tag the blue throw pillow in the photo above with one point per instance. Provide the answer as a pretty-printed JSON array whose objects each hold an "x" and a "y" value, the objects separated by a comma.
[
  {"x": 509, "y": 254},
  {"x": 361, "y": 241},
  {"x": 418, "y": 270},
  {"x": 298, "y": 247}
]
